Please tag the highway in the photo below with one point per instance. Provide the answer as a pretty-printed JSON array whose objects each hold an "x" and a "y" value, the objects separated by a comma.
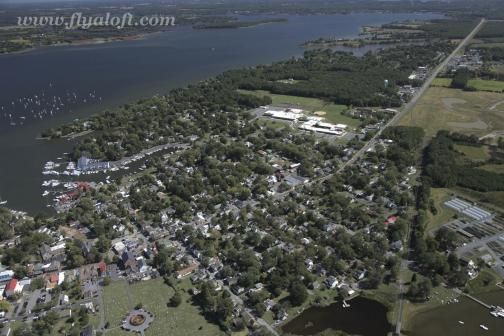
[
  {"x": 405, "y": 109},
  {"x": 408, "y": 108}
]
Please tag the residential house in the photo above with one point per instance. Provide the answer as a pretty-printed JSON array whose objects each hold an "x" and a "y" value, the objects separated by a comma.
[
  {"x": 12, "y": 288},
  {"x": 187, "y": 270},
  {"x": 331, "y": 282}
]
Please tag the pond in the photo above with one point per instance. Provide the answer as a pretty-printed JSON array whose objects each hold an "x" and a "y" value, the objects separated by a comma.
[{"x": 364, "y": 317}]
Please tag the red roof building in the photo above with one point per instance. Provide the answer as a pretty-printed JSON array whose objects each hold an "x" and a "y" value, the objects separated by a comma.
[
  {"x": 12, "y": 288},
  {"x": 391, "y": 220},
  {"x": 102, "y": 268}
]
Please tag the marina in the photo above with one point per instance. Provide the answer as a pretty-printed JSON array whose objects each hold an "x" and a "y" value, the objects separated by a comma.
[
  {"x": 46, "y": 103},
  {"x": 467, "y": 317}
]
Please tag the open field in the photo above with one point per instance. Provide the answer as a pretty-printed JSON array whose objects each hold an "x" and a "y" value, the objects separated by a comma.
[
  {"x": 474, "y": 153},
  {"x": 486, "y": 85},
  {"x": 116, "y": 303},
  {"x": 310, "y": 104},
  {"x": 444, "y": 214},
  {"x": 331, "y": 112},
  {"x": 496, "y": 168},
  {"x": 154, "y": 295},
  {"x": 491, "y": 199},
  {"x": 477, "y": 113},
  {"x": 442, "y": 82}
]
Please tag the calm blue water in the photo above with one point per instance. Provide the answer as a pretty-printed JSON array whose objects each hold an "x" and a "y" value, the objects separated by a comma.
[{"x": 125, "y": 71}]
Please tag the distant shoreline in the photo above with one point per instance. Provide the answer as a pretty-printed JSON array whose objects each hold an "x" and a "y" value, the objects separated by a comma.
[{"x": 76, "y": 43}]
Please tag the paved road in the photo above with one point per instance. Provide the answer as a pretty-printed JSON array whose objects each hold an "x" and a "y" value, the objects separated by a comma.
[
  {"x": 408, "y": 108},
  {"x": 412, "y": 103},
  {"x": 238, "y": 300}
]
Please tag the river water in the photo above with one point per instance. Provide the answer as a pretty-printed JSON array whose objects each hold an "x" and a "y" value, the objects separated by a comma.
[{"x": 122, "y": 72}]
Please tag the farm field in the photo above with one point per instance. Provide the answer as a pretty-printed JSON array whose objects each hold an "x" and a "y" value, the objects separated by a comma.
[
  {"x": 477, "y": 113},
  {"x": 474, "y": 153},
  {"x": 120, "y": 297},
  {"x": 487, "y": 85},
  {"x": 331, "y": 112}
]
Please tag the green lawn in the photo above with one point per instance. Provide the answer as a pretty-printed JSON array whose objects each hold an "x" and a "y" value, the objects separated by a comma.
[
  {"x": 116, "y": 304},
  {"x": 474, "y": 153},
  {"x": 443, "y": 82},
  {"x": 487, "y": 85},
  {"x": 444, "y": 214},
  {"x": 485, "y": 282},
  {"x": 334, "y": 114},
  {"x": 154, "y": 295},
  {"x": 496, "y": 168},
  {"x": 310, "y": 104},
  {"x": 275, "y": 124}
]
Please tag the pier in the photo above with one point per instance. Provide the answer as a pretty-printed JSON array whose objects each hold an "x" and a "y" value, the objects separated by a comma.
[{"x": 487, "y": 306}]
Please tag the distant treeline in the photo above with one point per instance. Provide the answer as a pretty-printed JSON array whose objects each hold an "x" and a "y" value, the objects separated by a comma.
[
  {"x": 342, "y": 77},
  {"x": 443, "y": 165},
  {"x": 236, "y": 24}
]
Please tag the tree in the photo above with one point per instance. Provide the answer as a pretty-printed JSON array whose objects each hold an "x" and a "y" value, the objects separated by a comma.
[
  {"x": 106, "y": 281},
  {"x": 176, "y": 299},
  {"x": 103, "y": 244},
  {"x": 298, "y": 293},
  {"x": 420, "y": 291}
]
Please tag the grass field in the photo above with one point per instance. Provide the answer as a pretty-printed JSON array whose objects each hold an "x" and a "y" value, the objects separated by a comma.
[
  {"x": 154, "y": 295},
  {"x": 492, "y": 199},
  {"x": 486, "y": 85},
  {"x": 485, "y": 282},
  {"x": 477, "y": 113},
  {"x": 444, "y": 214},
  {"x": 488, "y": 45},
  {"x": 498, "y": 69},
  {"x": 331, "y": 112},
  {"x": 496, "y": 168},
  {"x": 474, "y": 153},
  {"x": 442, "y": 82},
  {"x": 116, "y": 303},
  {"x": 310, "y": 104}
]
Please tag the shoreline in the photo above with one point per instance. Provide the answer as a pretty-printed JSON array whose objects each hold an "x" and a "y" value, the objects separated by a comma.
[{"x": 85, "y": 42}]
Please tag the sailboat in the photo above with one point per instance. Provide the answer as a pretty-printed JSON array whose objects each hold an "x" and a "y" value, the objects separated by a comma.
[{"x": 2, "y": 202}]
